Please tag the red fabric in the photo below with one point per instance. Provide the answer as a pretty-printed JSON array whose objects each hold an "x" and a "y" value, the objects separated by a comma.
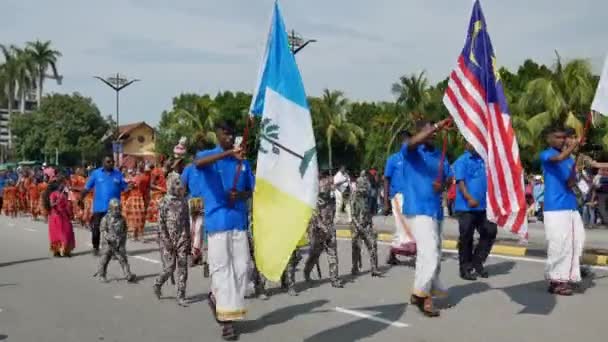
[
  {"x": 61, "y": 232},
  {"x": 142, "y": 182},
  {"x": 452, "y": 192},
  {"x": 9, "y": 201}
]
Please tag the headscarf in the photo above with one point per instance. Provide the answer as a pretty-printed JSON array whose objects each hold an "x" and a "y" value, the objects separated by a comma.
[
  {"x": 174, "y": 185},
  {"x": 114, "y": 208}
]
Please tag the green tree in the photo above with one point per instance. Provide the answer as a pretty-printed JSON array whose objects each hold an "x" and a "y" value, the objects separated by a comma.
[
  {"x": 43, "y": 57},
  {"x": 330, "y": 121},
  {"x": 561, "y": 97},
  {"x": 69, "y": 124}
]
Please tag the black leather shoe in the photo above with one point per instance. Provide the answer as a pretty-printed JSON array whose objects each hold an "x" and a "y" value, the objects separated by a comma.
[
  {"x": 482, "y": 272},
  {"x": 468, "y": 275}
]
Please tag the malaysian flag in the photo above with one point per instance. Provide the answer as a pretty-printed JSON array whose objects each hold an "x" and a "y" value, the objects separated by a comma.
[{"x": 475, "y": 98}]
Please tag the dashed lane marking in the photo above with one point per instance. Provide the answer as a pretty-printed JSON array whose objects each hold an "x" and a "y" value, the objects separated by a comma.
[
  {"x": 146, "y": 259},
  {"x": 359, "y": 314}
]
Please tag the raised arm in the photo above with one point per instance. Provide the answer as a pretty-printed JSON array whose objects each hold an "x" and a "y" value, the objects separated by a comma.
[
  {"x": 236, "y": 152},
  {"x": 425, "y": 133}
]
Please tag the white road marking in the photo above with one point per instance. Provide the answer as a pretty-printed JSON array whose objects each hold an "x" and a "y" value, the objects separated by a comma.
[
  {"x": 30, "y": 229},
  {"x": 11, "y": 224},
  {"x": 146, "y": 259},
  {"x": 370, "y": 317},
  {"x": 118, "y": 297},
  {"x": 0, "y": 309},
  {"x": 498, "y": 256}
]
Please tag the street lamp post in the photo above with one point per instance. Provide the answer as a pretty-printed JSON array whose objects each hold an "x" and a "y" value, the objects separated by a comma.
[
  {"x": 117, "y": 82},
  {"x": 298, "y": 43}
]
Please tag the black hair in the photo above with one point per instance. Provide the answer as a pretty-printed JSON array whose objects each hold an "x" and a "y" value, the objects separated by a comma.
[
  {"x": 556, "y": 128},
  {"x": 226, "y": 125},
  {"x": 46, "y": 196},
  {"x": 108, "y": 155}
]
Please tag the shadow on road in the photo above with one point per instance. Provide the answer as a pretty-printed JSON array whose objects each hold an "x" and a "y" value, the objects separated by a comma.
[
  {"x": 280, "y": 316},
  {"x": 501, "y": 268},
  {"x": 11, "y": 263},
  {"x": 3, "y": 337},
  {"x": 361, "y": 328}
]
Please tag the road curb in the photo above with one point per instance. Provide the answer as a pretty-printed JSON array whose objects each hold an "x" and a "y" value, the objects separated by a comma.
[{"x": 508, "y": 250}]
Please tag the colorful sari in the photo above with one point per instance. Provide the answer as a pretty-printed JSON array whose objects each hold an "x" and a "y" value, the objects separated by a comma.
[
  {"x": 61, "y": 232},
  {"x": 22, "y": 200},
  {"x": 34, "y": 200},
  {"x": 77, "y": 184},
  {"x": 41, "y": 209},
  {"x": 9, "y": 201},
  {"x": 159, "y": 186},
  {"x": 135, "y": 213},
  {"x": 87, "y": 212}
]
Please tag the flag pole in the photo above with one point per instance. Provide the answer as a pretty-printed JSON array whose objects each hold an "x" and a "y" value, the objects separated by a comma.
[{"x": 244, "y": 146}]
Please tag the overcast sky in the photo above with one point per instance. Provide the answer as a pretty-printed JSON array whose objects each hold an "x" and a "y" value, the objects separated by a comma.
[{"x": 363, "y": 46}]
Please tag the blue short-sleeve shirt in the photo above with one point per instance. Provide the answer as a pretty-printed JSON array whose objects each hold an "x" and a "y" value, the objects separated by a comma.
[
  {"x": 422, "y": 168},
  {"x": 220, "y": 215},
  {"x": 558, "y": 195},
  {"x": 394, "y": 171},
  {"x": 471, "y": 169},
  {"x": 194, "y": 180},
  {"x": 108, "y": 185}
]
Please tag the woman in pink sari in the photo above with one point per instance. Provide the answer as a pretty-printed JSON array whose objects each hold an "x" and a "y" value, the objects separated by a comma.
[{"x": 61, "y": 232}]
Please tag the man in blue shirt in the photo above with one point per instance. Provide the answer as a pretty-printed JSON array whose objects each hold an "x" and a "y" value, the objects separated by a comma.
[
  {"x": 403, "y": 241},
  {"x": 226, "y": 224},
  {"x": 427, "y": 177},
  {"x": 108, "y": 183},
  {"x": 471, "y": 190},
  {"x": 194, "y": 182},
  {"x": 564, "y": 229}
]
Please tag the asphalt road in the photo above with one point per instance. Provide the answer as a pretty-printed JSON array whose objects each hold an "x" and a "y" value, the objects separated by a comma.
[
  {"x": 596, "y": 238},
  {"x": 58, "y": 300}
]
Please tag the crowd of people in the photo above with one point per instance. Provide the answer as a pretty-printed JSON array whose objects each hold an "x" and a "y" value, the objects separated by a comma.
[{"x": 202, "y": 214}]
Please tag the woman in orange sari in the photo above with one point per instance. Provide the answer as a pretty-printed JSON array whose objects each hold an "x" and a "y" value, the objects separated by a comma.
[
  {"x": 61, "y": 232},
  {"x": 22, "y": 192},
  {"x": 34, "y": 199},
  {"x": 135, "y": 211},
  {"x": 158, "y": 187},
  {"x": 41, "y": 187},
  {"x": 77, "y": 182},
  {"x": 9, "y": 203}
]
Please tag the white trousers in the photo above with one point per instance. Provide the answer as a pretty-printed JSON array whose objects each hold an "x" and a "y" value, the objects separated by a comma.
[
  {"x": 403, "y": 234},
  {"x": 565, "y": 235},
  {"x": 342, "y": 216},
  {"x": 427, "y": 233},
  {"x": 228, "y": 266}
]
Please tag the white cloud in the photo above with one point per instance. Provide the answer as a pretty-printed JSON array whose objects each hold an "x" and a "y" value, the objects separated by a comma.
[{"x": 209, "y": 45}]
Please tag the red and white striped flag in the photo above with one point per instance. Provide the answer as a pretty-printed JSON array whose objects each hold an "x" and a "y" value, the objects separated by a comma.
[{"x": 475, "y": 98}]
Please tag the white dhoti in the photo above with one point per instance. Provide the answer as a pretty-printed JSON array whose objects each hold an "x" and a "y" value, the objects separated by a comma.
[
  {"x": 565, "y": 235},
  {"x": 427, "y": 233},
  {"x": 228, "y": 257},
  {"x": 403, "y": 234}
]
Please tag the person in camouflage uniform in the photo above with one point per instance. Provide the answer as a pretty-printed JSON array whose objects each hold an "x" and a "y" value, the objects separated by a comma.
[
  {"x": 362, "y": 228},
  {"x": 174, "y": 237},
  {"x": 113, "y": 228},
  {"x": 323, "y": 232}
]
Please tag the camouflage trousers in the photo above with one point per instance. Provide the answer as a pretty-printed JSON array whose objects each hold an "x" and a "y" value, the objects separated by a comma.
[
  {"x": 323, "y": 241},
  {"x": 174, "y": 257},
  {"x": 288, "y": 279},
  {"x": 110, "y": 251},
  {"x": 366, "y": 233}
]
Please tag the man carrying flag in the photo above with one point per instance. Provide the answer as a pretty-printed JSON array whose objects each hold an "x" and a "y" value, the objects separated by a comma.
[
  {"x": 475, "y": 98},
  {"x": 287, "y": 175},
  {"x": 226, "y": 224}
]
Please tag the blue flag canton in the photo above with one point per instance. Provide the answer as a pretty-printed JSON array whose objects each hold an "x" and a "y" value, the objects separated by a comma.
[
  {"x": 479, "y": 58},
  {"x": 280, "y": 70}
]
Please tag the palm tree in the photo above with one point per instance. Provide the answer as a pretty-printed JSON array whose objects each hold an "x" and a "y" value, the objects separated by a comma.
[
  {"x": 22, "y": 71},
  {"x": 330, "y": 117},
  {"x": 9, "y": 71},
  {"x": 562, "y": 97},
  {"x": 414, "y": 98},
  {"x": 43, "y": 57}
]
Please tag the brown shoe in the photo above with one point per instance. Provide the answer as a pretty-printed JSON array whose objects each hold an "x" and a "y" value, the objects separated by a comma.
[
  {"x": 425, "y": 305},
  {"x": 561, "y": 289}
]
